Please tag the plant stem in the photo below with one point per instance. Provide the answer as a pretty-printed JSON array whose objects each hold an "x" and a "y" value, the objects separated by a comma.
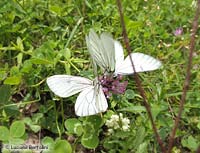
[
  {"x": 137, "y": 80},
  {"x": 187, "y": 78}
]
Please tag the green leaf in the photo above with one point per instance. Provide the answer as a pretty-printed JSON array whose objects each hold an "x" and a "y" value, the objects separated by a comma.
[
  {"x": 73, "y": 125},
  {"x": 19, "y": 59},
  {"x": 27, "y": 66},
  {"x": 11, "y": 110},
  {"x": 129, "y": 94},
  {"x": 14, "y": 71},
  {"x": 14, "y": 80},
  {"x": 48, "y": 141},
  {"x": 40, "y": 61},
  {"x": 190, "y": 143},
  {"x": 35, "y": 128},
  {"x": 36, "y": 117},
  {"x": 16, "y": 141},
  {"x": 134, "y": 109},
  {"x": 62, "y": 146},
  {"x": 4, "y": 133},
  {"x": 156, "y": 109},
  {"x": 5, "y": 93},
  {"x": 27, "y": 120},
  {"x": 95, "y": 120},
  {"x": 140, "y": 135},
  {"x": 198, "y": 125},
  {"x": 55, "y": 9},
  {"x": 142, "y": 148},
  {"x": 17, "y": 129},
  {"x": 66, "y": 53},
  {"x": 2, "y": 75},
  {"x": 45, "y": 54},
  {"x": 20, "y": 45},
  {"x": 90, "y": 141}
]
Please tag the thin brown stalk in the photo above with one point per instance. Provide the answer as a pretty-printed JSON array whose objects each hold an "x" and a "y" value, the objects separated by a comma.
[
  {"x": 187, "y": 78},
  {"x": 137, "y": 80}
]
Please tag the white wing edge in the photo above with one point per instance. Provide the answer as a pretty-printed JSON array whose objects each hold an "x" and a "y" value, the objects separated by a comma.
[
  {"x": 142, "y": 63},
  {"x": 90, "y": 102},
  {"x": 119, "y": 54},
  {"x": 67, "y": 85}
]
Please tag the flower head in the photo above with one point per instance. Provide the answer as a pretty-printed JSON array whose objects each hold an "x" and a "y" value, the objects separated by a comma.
[
  {"x": 118, "y": 122},
  {"x": 178, "y": 31},
  {"x": 113, "y": 85}
]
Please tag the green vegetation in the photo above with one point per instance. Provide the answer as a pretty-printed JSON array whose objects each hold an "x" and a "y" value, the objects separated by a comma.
[{"x": 41, "y": 38}]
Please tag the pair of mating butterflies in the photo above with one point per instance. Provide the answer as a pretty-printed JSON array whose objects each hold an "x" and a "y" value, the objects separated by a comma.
[{"x": 108, "y": 55}]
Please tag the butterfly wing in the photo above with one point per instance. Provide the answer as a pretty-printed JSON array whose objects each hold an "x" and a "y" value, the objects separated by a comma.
[
  {"x": 67, "y": 85},
  {"x": 108, "y": 51},
  {"x": 91, "y": 101},
  {"x": 142, "y": 63},
  {"x": 119, "y": 55},
  {"x": 101, "y": 50}
]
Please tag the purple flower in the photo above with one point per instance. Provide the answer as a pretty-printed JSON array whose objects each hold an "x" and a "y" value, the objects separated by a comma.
[
  {"x": 178, "y": 31},
  {"x": 113, "y": 85}
]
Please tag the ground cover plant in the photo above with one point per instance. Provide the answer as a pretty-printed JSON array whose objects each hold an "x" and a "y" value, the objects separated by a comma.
[{"x": 39, "y": 39}]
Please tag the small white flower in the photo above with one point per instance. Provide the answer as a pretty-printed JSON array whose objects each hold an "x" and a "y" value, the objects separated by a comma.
[
  {"x": 125, "y": 127},
  {"x": 120, "y": 115},
  {"x": 118, "y": 122},
  {"x": 125, "y": 121},
  {"x": 125, "y": 124},
  {"x": 115, "y": 118},
  {"x": 113, "y": 122},
  {"x": 110, "y": 131}
]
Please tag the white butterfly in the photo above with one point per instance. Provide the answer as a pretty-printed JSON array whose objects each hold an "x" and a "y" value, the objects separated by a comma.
[
  {"x": 142, "y": 62},
  {"x": 101, "y": 50},
  {"x": 91, "y": 99},
  {"x": 108, "y": 54}
]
